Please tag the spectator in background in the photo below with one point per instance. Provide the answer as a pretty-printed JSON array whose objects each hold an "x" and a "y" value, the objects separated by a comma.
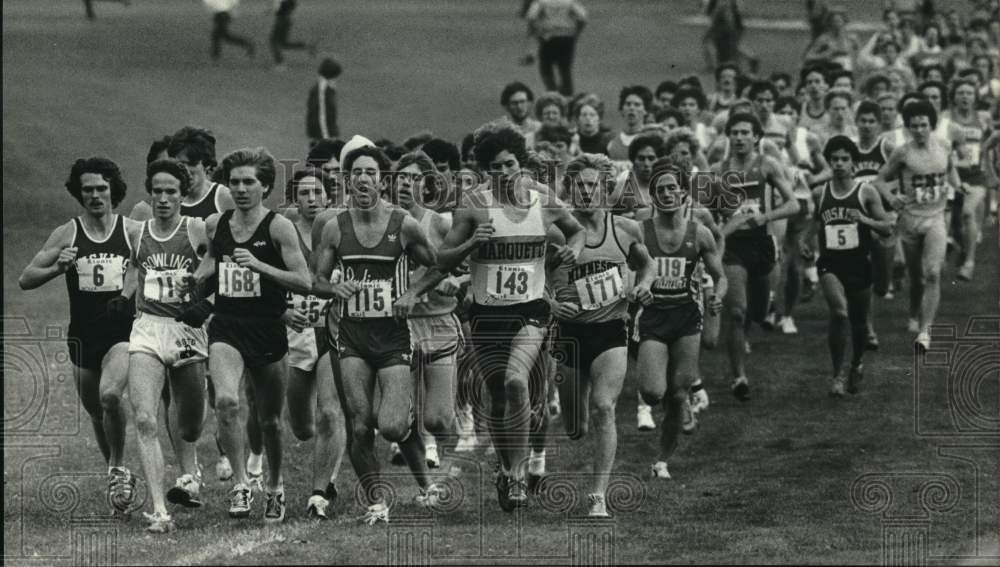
[
  {"x": 325, "y": 155},
  {"x": 321, "y": 106},
  {"x": 726, "y": 81},
  {"x": 664, "y": 93},
  {"x": 557, "y": 25},
  {"x": 591, "y": 136},
  {"x": 282, "y": 29},
  {"x": 517, "y": 99},
  {"x": 634, "y": 103},
  {"x": 836, "y": 44},
  {"x": 221, "y": 17},
  {"x": 550, "y": 108}
]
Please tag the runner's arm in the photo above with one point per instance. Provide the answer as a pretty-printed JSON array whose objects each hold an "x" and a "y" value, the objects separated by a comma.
[
  {"x": 776, "y": 176},
  {"x": 816, "y": 162},
  {"x": 712, "y": 257},
  {"x": 878, "y": 220},
  {"x": 296, "y": 277},
  {"x": 206, "y": 269},
  {"x": 458, "y": 243},
  {"x": 576, "y": 236},
  {"x": 889, "y": 172},
  {"x": 418, "y": 247},
  {"x": 51, "y": 261},
  {"x": 130, "y": 283}
]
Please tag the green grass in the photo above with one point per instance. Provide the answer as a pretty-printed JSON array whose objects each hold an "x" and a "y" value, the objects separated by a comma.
[{"x": 763, "y": 481}]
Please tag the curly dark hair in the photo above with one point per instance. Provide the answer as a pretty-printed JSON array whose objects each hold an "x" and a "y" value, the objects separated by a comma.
[
  {"x": 172, "y": 167},
  {"x": 505, "y": 138},
  {"x": 323, "y": 151},
  {"x": 104, "y": 167},
  {"x": 197, "y": 143},
  {"x": 443, "y": 151},
  {"x": 308, "y": 171}
]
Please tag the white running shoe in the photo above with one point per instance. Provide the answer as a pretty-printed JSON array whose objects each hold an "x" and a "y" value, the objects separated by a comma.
[
  {"x": 430, "y": 497},
  {"x": 376, "y": 513},
  {"x": 688, "y": 421},
  {"x": 644, "y": 418},
  {"x": 838, "y": 386},
  {"x": 598, "y": 507},
  {"x": 787, "y": 326},
  {"x": 159, "y": 523},
  {"x": 431, "y": 454},
  {"x": 316, "y": 508},
  {"x": 240, "y": 501},
  {"x": 659, "y": 470},
  {"x": 924, "y": 341},
  {"x": 186, "y": 491},
  {"x": 699, "y": 401},
  {"x": 467, "y": 440},
  {"x": 396, "y": 457},
  {"x": 913, "y": 326},
  {"x": 223, "y": 469}
]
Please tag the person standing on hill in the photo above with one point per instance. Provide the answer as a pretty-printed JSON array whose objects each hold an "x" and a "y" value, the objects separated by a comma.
[
  {"x": 282, "y": 29},
  {"x": 557, "y": 25},
  {"x": 221, "y": 16}
]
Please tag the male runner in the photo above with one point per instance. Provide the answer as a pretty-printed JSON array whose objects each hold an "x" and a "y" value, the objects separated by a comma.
[
  {"x": 161, "y": 349},
  {"x": 813, "y": 112},
  {"x": 631, "y": 192},
  {"x": 502, "y": 227},
  {"x": 93, "y": 251},
  {"x": 847, "y": 210},
  {"x": 254, "y": 257}
]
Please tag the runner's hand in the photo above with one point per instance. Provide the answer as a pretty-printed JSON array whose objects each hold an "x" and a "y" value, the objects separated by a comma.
[
  {"x": 565, "y": 310},
  {"x": 245, "y": 259},
  {"x": 66, "y": 258},
  {"x": 714, "y": 304},
  {"x": 295, "y": 319},
  {"x": 403, "y": 305},
  {"x": 640, "y": 294},
  {"x": 448, "y": 287},
  {"x": 345, "y": 289},
  {"x": 565, "y": 255},
  {"x": 483, "y": 232},
  {"x": 196, "y": 314}
]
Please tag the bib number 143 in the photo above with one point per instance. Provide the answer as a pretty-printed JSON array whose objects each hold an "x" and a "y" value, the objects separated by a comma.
[{"x": 510, "y": 282}]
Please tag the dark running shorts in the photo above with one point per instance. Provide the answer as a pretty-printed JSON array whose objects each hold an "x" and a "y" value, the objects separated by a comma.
[
  {"x": 668, "y": 325},
  {"x": 88, "y": 346},
  {"x": 757, "y": 255},
  {"x": 493, "y": 329},
  {"x": 382, "y": 342},
  {"x": 259, "y": 341},
  {"x": 578, "y": 345},
  {"x": 854, "y": 277}
]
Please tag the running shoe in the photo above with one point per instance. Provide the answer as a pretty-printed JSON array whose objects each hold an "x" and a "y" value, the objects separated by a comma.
[
  {"x": 965, "y": 272},
  {"x": 517, "y": 494},
  {"x": 316, "y": 508},
  {"x": 644, "y": 418},
  {"x": 871, "y": 343},
  {"x": 430, "y": 497},
  {"x": 855, "y": 377},
  {"x": 223, "y": 469},
  {"x": 923, "y": 341},
  {"x": 502, "y": 483},
  {"x": 770, "y": 321},
  {"x": 274, "y": 507},
  {"x": 659, "y": 470},
  {"x": 240, "y": 501},
  {"x": 741, "y": 388},
  {"x": 376, "y": 513},
  {"x": 159, "y": 523},
  {"x": 433, "y": 461},
  {"x": 598, "y": 507},
  {"x": 397, "y": 457},
  {"x": 787, "y": 326},
  {"x": 256, "y": 480},
  {"x": 838, "y": 386},
  {"x": 699, "y": 400},
  {"x": 186, "y": 491},
  {"x": 121, "y": 489},
  {"x": 688, "y": 421}
]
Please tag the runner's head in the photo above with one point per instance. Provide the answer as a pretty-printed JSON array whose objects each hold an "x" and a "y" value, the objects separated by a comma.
[
  {"x": 665, "y": 92},
  {"x": 920, "y": 118},
  {"x": 763, "y": 94},
  {"x": 838, "y": 107},
  {"x": 670, "y": 118},
  {"x": 681, "y": 145},
  {"x": 875, "y": 85},
  {"x": 868, "y": 120},
  {"x": 783, "y": 82},
  {"x": 411, "y": 174},
  {"x": 589, "y": 181},
  {"x": 501, "y": 152},
  {"x": 814, "y": 80},
  {"x": 560, "y": 137},
  {"x": 887, "y": 104},
  {"x": 587, "y": 112},
  {"x": 744, "y": 131},
  {"x": 364, "y": 167},
  {"x": 516, "y": 97},
  {"x": 439, "y": 191},
  {"x": 550, "y": 109},
  {"x": 843, "y": 80},
  {"x": 634, "y": 102},
  {"x": 725, "y": 78},
  {"x": 444, "y": 154},
  {"x": 690, "y": 102},
  {"x": 97, "y": 184},
  {"x": 195, "y": 148},
  {"x": 931, "y": 72},
  {"x": 309, "y": 189},
  {"x": 642, "y": 152},
  {"x": 964, "y": 94},
  {"x": 787, "y": 106},
  {"x": 249, "y": 173},
  {"x": 325, "y": 154},
  {"x": 935, "y": 93},
  {"x": 841, "y": 153},
  {"x": 670, "y": 186},
  {"x": 167, "y": 182},
  {"x": 158, "y": 150}
]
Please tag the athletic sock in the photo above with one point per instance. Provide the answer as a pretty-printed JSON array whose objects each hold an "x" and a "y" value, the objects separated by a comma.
[
  {"x": 812, "y": 274},
  {"x": 697, "y": 386},
  {"x": 255, "y": 463},
  {"x": 536, "y": 462}
]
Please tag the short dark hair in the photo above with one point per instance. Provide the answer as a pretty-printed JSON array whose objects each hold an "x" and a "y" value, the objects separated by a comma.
[
  {"x": 868, "y": 88},
  {"x": 835, "y": 94},
  {"x": 197, "y": 143},
  {"x": 926, "y": 68},
  {"x": 667, "y": 165},
  {"x": 468, "y": 144},
  {"x": 588, "y": 99},
  {"x": 641, "y": 141},
  {"x": 550, "y": 99},
  {"x": 783, "y": 101},
  {"x": 637, "y": 90},
  {"x": 685, "y": 93},
  {"x": 909, "y": 98},
  {"x": 747, "y": 117},
  {"x": 780, "y": 76},
  {"x": 329, "y": 68},
  {"x": 838, "y": 143},
  {"x": 868, "y": 107},
  {"x": 730, "y": 66},
  {"x": 101, "y": 166},
  {"x": 664, "y": 113},
  {"x": 258, "y": 158},
  {"x": 665, "y": 86},
  {"x": 920, "y": 107},
  {"x": 308, "y": 171},
  {"x": 834, "y": 75},
  {"x": 758, "y": 87},
  {"x": 156, "y": 148},
  {"x": 417, "y": 140},
  {"x": 390, "y": 149},
  {"x": 440, "y": 150},
  {"x": 324, "y": 150},
  {"x": 172, "y": 167},
  {"x": 809, "y": 69},
  {"x": 513, "y": 88},
  {"x": 690, "y": 81},
  {"x": 492, "y": 142},
  {"x": 373, "y": 152},
  {"x": 554, "y": 134}
]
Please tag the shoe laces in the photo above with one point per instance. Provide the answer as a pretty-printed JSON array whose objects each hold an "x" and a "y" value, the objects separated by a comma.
[{"x": 241, "y": 496}]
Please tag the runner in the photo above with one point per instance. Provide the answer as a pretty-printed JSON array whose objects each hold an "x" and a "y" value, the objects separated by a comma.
[
  {"x": 670, "y": 324},
  {"x": 633, "y": 103},
  {"x": 502, "y": 228},
  {"x": 590, "y": 305},
  {"x": 255, "y": 256},
  {"x": 371, "y": 242},
  {"x": 93, "y": 251},
  {"x": 925, "y": 170},
  {"x": 846, "y": 211},
  {"x": 162, "y": 351},
  {"x": 838, "y": 116},
  {"x": 631, "y": 192},
  {"x": 813, "y": 112},
  {"x": 748, "y": 180}
]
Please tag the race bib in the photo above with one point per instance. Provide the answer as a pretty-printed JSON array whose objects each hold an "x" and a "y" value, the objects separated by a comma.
[
  {"x": 599, "y": 290},
  {"x": 841, "y": 236},
  {"x": 511, "y": 282},
  {"x": 313, "y": 307},
  {"x": 749, "y": 207},
  {"x": 670, "y": 272},
  {"x": 237, "y": 282},
  {"x": 100, "y": 274},
  {"x": 928, "y": 189},
  {"x": 161, "y": 285},
  {"x": 373, "y": 300}
]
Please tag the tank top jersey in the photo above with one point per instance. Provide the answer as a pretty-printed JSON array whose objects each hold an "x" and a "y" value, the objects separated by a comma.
[
  {"x": 922, "y": 181},
  {"x": 717, "y": 105},
  {"x": 974, "y": 133},
  {"x": 702, "y": 134},
  {"x": 777, "y": 132},
  {"x": 162, "y": 263},
  {"x": 98, "y": 274},
  {"x": 382, "y": 270},
  {"x": 509, "y": 268},
  {"x": 746, "y": 193},
  {"x": 430, "y": 303},
  {"x": 314, "y": 308},
  {"x": 243, "y": 292},
  {"x": 813, "y": 123},
  {"x": 842, "y": 240},
  {"x": 206, "y": 207},
  {"x": 675, "y": 284},
  {"x": 597, "y": 281},
  {"x": 870, "y": 161}
]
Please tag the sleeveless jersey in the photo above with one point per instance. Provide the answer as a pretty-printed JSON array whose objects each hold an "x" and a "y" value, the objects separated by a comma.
[
  {"x": 206, "y": 207},
  {"x": 811, "y": 122},
  {"x": 975, "y": 133},
  {"x": 243, "y": 292},
  {"x": 870, "y": 161},
  {"x": 717, "y": 105},
  {"x": 162, "y": 263},
  {"x": 597, "y": 281},
  {"x": 98, "y": 274},
  {"x": 675, "y": 284},
  {"x": 431, "y": 302},
  {"x": 777, "y": 132},
  {"x": 509, "y": 268},
  {"x": 922, "y": 181},
  {"x": 381, "y": 271},
  {"x": 314, "y": 308},
  {"x": 746, "y": 193},
  {"x": 842, "y": 240}
]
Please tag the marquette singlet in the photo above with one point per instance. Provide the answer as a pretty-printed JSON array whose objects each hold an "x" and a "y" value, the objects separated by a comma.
[{"x": 509, "y": 268}]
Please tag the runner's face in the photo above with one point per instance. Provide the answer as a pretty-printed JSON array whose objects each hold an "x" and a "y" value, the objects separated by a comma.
[
  {"x": 689, "y": 109},
  {"x": 588, "y": 189},
  {"x": 505, "y": 167},
  {"x": 668, "y": 194},
  {"x": 643, "y": 163},
  {"x": 310, "y": 197},
  {"x": 727, "y": 81},
  {"x": 843, "y": 83},
  {"x": 888, "y": 107},
  {"x": 920, "y": 128},
  {"x": 763, "y": 103},
  {"x": 671, "y": 123},
  {"x": 790, "y": 112},
  {"x": 247, "y": 191},
  {"x": 664, "y": 98},
  {"x": 195, "y": 168},
  {"x": 815, "y": 85},
  {"x": 983, "y": 65},
  {"x": 518, "y": 106},
  {"x": 933, "y": 95},
  {"x": 683, "y": 151},
  {"x": 165, "y": 195},
  {"x": 332, "y": 168},
  {"x": 634, "y": 110},
  {"x": 366, "y": 182},
  {"x": 841, "y": 164},
  {"x": 551, "y": 115},
  {"x": 588, "y": 122},
  {"x": 868, "y": 126},
  {"x": 965, "y": 97},
  {"x": 839, "y": 111},
  {"x": 95, "y": 192},
  {"x": 409, "y": 181},
  {"x": 741, "y": 138}
]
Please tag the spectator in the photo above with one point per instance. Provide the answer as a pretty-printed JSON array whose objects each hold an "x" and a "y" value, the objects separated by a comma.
[
  {"x": 321, "y": 106},
  {"x": 557, "y": 25},
  {"x": 282, "y": 29},
  {"x": 221, "y": 18}
]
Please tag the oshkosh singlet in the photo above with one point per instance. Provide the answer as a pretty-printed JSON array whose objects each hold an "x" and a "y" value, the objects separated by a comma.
[
  {"x": 841, "y": 239},
  {"x": 870, "y": 161},
  {"x": 98, "y": 274},
  {"x": 163, "y": 263}
]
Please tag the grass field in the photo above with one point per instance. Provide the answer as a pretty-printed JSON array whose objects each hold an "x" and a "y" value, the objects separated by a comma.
[{"x": 906, "y": 470}]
